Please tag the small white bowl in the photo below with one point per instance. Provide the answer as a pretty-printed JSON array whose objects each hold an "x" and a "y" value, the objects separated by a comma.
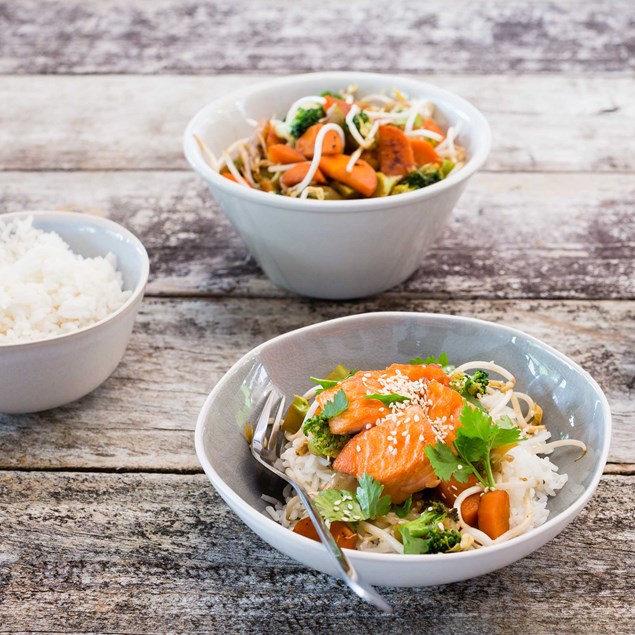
[
  {"x": 52, "y": 372},
  {"x": 573, "y": 405},
  {"x": 334, "y": 249}
]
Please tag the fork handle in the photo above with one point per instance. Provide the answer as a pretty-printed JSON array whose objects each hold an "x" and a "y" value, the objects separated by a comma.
[{"x": 345, "y": 568}]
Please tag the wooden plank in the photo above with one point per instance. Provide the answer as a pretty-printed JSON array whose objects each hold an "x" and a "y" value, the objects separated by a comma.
[
  {"x": 94, "y": 123},
  {"x": 143, "y": 417},
  {"x": 162, "y": 553},
  {"x": 170, "y": 36},
  {"x": 512, "y": 235}
]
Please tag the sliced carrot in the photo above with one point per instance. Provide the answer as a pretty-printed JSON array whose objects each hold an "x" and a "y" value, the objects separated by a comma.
[
  {"x": 395, "y": 153},
  {"x": 343, "y": 106},
  {"x": 371, "y": 157},
  {"x": 228, "y": 175},
  {"x": 448, "y": 491},
  {"x": 431, "y": 124},
  {"x": 362, "y": 178},
  {"x": 281, "y": 153},
  {"x": 423, "y": 152},
  {"x": 332, "y": 144},
  {"x": 344, "y": 536},
  {"x": 493, "y": 513},
  {"x": 269, "y": 133},
  {"x": 294, "y": 175},
  {"x": 469, "y": 509}
]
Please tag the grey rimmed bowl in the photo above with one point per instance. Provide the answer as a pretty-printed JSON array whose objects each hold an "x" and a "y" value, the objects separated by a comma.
[
  {"x": 573, "y": 403},
  {"x": 52, "y": 372}
]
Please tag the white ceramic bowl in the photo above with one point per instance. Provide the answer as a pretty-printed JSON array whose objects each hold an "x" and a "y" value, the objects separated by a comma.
[
  {"x": 334, "y": 249},
  {"x": 573, "y": 405},
  {"x": 49, "y": 373}
]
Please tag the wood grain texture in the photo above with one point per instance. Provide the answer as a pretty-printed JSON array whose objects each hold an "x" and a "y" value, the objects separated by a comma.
[
  {"x": 169, "y": 36},
  {"x": 163, "y": 554},
  {"x": 551, "y": 123},
  {"x": 143, "y": 417},
  {"x": 511, "y": 236}
]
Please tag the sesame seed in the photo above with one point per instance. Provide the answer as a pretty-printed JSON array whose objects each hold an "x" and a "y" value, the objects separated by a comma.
[
  {"x": 417, "y": 418},
  {"x": 390, "y": 449},
  {"x": 382, "y": 409},
  {"x": 359, "y": 449},
  {"x": 350, "y": 506},
  {"x": 459, "y": 466},
  {"x": 421, "y": 438},
  {"x": 390, "y": 438}
]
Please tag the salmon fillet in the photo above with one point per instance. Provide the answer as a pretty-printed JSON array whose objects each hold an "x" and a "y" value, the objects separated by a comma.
[
  {"x": 445, "y": 403},
  {"x": 362, "y": 412},
  {"x": 393, "y": 453}
]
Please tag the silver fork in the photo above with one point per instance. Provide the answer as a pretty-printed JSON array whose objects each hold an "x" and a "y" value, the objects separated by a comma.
[{"x": 264, "y": 447}]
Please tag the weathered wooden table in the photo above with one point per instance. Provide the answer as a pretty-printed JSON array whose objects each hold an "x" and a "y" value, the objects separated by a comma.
[{"x": 107, "y": 523}]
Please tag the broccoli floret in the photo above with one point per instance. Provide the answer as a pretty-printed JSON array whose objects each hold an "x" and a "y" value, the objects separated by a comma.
[
  {"x": 330, "y": 93},
  {"x": 362, "y": 123},
  {"x": 321, "y": 440},
  {"x": 470, "y": 386},
  {"x": 418, "y": 179},
  {"x": 304, "y": 119},
  {"x": 428, "y": 533}
]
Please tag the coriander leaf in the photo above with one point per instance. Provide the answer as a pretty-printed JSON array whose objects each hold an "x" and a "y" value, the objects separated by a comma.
[
  {"x": 476, "y": 424},
  {"x": 442, "y": 360},
  {"x": 337, "y": 406},
  {"x": 324, "y": 383},
  {"x": 404, "y": 509},
  {"x": 505, "y": 436},
  {"x": 371, "y": 502},
  {"x": 471, "y": 449},
  {"x": 339, "y": 504},
  {"x": 412, "y": 544},
  {"x": 446, "y": 465},
  {"x": 388, "y": 399}
]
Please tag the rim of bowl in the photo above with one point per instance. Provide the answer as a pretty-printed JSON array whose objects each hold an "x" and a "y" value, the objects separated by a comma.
[
  {"x": 565, "y": 516},
  {"x": 101, "y": 223},
  {"x": 454, "y": 101}
]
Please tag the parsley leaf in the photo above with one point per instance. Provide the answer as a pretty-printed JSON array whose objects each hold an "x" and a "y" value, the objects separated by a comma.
[
  {"x": 325, "y": 383},
  {"x": 337, "y": 406},
  {"x": 371, "y": 501},
  {"x": 442, "y": 360},
  {"x": 339, "y": 504},
  {"x": 404, "y": 509},
  {"x": 365, "y": 503},
  {"x": 445, "y": 464},
  {"x": 393, "y": 397},
  {"x": 474, "y": 442}
]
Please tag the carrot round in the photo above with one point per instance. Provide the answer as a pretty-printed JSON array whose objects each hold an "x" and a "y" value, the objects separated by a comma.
[
  {"x": 423, "y": 152},
  {"x": 269, "y": 133},
  {"x": 228, "y": 175},
  {"x": 281, "y": 153},
  {"x": 294, "y": 175},
  {"x": 332, "y": 143},
  {"x": 362, "y": 178},
  {"x": 342, "y": 105},
  {"x": 448, "y": 491},
  {"x": 493, "y": 513},
  {"x": 431, "y": 124},
  {"x": 395, "y": 153},
  {"x": 469, "y": 509},
  {"x": 344, "y": 536}
]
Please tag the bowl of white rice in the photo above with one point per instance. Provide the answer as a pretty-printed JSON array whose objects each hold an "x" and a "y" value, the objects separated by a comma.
[
  {"x": 574, "y": 411},
  {"x": 70, "y": 287}
]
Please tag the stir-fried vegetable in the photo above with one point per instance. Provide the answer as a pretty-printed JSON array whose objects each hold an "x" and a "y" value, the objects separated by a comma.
[{"x": 374, "y": 146}]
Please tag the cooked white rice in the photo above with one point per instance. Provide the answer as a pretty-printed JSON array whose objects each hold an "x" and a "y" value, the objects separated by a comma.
[{"x": 47, "y": 290}]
